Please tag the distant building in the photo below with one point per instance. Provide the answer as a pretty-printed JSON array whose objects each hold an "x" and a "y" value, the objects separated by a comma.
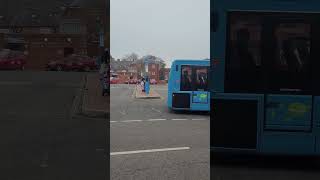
[{"x": 53, "y": 28}]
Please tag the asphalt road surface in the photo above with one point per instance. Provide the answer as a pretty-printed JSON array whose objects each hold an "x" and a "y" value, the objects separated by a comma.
[
  {"x": 38, "y": 138},
  {"x": 150, "y": 143},
  {"x": 143, "y": 131}
]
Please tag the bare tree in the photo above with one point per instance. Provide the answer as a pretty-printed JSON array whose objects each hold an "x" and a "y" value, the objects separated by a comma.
[{"x": 130, "y": 57}]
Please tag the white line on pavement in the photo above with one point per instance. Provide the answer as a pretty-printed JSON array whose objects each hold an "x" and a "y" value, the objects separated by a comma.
[
  {"x": 132, "y": 121},
  {"x": 122, "y": 112},
  {"x": 148, "y": 151},
  {"x": 199, "y": 119},
  {"x": 156, "y": 110},
  {"x": 156, "y": 119},
  {"x": 113, "y": 121},
  {"x": 179, "y": 119}
]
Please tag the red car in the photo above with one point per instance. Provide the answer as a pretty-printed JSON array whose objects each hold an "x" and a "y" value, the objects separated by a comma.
[
  {"x": 114, "y": 80},
  {"x": 133, "y": 81},
  {"x": 12, "y": 60},
  {"x": 84, "y": 63},
  {"x": 56, "y": 65},
  {"x": 72, "y": 63}
]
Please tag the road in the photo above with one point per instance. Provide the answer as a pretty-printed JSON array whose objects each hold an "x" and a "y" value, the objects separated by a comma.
[
  {"x": 39, "y": 140},
  {"x": 149, "y": 142},
  {"x": 143, "y": 131}
]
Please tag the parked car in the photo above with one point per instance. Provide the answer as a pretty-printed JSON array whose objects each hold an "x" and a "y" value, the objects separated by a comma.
[
  {"x": 12, "y": 60},
  {"x": 114, "y": 80},
  {"x": 84, "y": 63},
  {"x": 62, "y": 64},
  {"x": 133, "y": 81},
  {"x": 153, "y": 81},
  {"x": 72, "y": 63}
]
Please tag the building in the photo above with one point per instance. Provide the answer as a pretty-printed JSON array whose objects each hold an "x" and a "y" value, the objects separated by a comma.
[
  {"x": 53, "y": 28},
  {"x": 154, "y": 71}
]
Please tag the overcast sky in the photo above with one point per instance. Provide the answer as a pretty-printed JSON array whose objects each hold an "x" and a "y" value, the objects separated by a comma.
[{"x": 169, "y": 29}]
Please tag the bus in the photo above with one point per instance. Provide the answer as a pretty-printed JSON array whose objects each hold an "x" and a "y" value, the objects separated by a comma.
[
  {"x": 265, "y": 72},
  {"x": 188, "y": 85}
]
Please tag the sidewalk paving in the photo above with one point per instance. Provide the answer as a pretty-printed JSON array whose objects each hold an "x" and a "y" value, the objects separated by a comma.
[
  {"x": 142, "y": 95},
  {"x": 94, "y": 104}
]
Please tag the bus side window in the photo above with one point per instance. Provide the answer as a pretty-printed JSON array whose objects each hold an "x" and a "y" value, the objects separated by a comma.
[{"x": 177, "y": 68}]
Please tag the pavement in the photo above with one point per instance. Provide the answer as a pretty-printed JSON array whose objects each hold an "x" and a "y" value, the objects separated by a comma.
[
  {"x": 39, "y": 137},
  {"x": 149, "y": 142},
  {"x": 93, "y": 103},
  {"x": 153, "y": 94}
]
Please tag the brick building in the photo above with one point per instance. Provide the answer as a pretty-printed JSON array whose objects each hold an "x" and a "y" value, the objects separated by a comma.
[
  {"x": 43, "y": 48},
  {"x": 154, "y": 71},
  {"x": 50, "y": 29}
]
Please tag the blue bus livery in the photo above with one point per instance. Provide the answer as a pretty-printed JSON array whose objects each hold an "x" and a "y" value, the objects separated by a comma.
[
  {"x": 265, "y": 72},
  {"x": 188, "y": 85}
]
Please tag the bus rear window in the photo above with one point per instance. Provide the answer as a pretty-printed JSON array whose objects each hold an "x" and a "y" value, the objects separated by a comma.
[
  {"x": 201, "y": 78},
  {"x": 186, "y": 78},
  {"x": 194, "y": 78}
]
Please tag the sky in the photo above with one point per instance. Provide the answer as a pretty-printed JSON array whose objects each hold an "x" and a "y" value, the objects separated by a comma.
[{"x": 169, "y": 29}]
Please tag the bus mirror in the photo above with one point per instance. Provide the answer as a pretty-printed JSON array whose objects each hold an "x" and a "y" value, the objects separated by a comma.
[
  {"x": 214, "y": 21},
  {"x": 177, "y": 68}
]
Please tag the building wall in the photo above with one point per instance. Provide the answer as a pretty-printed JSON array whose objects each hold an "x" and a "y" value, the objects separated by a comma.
[
  {"x": 40, "y": 52},
  {"x": 154, "y": 70}
]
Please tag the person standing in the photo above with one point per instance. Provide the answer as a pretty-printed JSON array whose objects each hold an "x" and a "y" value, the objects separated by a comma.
[{"x": 142, "y": 85}]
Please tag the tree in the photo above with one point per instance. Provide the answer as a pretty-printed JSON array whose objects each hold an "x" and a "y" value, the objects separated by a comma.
[{"x": 130, "y": 57}]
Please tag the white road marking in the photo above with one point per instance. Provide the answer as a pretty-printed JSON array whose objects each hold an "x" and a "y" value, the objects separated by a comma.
[
  {"x": 156, "y": 119},
  {"x": 113, "y": 121},
  {"x": 122, "y": 112},
  {"x": 156, "y": 110},
  {"x": 149, "y": 151},
  {"x": 199, "y": 119},
  {"x": 179, "y": 119},
  {"x": 132, "y": 121}
]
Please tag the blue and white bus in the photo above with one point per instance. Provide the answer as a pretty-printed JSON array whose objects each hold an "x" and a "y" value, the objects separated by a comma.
[
  {"x": 265, "y": 70},
  {"x": 188, "y": 85}
]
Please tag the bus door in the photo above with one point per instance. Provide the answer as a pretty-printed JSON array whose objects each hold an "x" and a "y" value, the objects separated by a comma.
[{"x": 289, "y": 100}]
